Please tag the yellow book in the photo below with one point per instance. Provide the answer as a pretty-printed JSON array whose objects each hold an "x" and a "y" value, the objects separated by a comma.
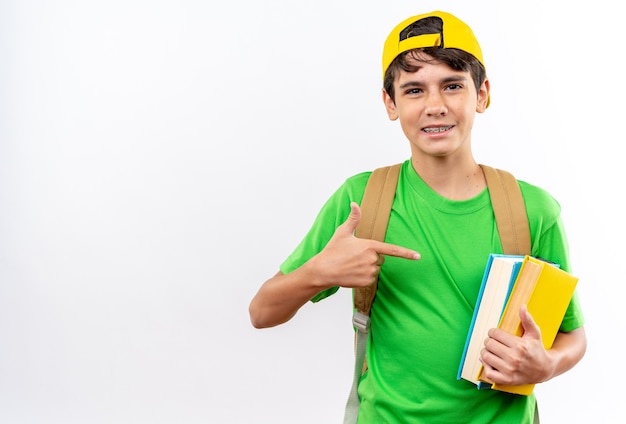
[{"x": 546, "y": 290}]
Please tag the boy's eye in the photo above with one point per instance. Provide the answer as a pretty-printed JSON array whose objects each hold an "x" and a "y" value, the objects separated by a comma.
[
  {"x": 454, "y": 86},
  {"x": 414, "y": 91}
]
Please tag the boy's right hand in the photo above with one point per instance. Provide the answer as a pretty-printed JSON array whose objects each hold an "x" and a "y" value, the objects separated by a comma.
[{"x": 349, "y": 261}]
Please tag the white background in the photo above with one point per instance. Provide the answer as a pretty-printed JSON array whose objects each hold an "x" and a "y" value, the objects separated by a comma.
[{"x": 159, "y": 159}]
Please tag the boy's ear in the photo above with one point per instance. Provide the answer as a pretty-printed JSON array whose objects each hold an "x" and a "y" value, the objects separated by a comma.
[
  {"x": 483, "y": 96},
  {"x": 390, "y": 106}
]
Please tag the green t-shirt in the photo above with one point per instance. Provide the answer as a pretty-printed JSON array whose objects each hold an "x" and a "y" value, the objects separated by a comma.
[{"x": 422, "y": 310}]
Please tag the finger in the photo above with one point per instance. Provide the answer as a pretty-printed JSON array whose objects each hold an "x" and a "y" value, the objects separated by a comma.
[
  {"x": 531, "y": 329},
  {"x": 381, "y": 259},
  {"x": 500, "y": 337},
  {"x": 490, "y": 372},
  {"x": 353, "y": 219},
  {"x": 394, "y": 250}
]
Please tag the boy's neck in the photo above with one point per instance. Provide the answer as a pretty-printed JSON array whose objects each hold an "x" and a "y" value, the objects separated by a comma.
[{"x": 452, "y": 179}]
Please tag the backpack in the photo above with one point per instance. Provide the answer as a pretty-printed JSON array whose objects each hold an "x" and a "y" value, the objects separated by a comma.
[{"x": 511, "y": 222}]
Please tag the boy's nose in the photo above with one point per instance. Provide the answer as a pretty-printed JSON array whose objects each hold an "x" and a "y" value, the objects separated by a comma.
[{"x": 435, "y": 105}]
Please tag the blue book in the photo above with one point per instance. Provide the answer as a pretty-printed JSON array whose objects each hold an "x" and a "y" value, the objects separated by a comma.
[{"x": 498, "y": 280}]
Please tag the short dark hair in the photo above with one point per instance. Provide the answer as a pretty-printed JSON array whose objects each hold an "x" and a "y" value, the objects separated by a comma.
[{"x": 456, "y": 59}]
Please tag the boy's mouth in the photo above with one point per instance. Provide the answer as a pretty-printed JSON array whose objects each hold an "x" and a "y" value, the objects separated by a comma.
[{"x": 437, "y": 129}]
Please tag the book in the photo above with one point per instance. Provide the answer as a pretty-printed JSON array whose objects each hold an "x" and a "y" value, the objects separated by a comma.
[
  {"x": 546, "y": 290},
  {"x": 498, "y": 279}
]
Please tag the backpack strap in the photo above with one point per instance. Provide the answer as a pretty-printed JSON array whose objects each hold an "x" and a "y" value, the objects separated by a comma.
[
  {"x": 375, "y": 208},
  {"x": 509, "y": 210}
]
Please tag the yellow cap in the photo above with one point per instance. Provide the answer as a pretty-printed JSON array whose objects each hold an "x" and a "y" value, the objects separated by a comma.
[{"x": 455, "y": 34}]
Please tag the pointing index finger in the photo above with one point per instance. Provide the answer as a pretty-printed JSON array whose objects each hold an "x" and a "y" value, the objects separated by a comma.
[{"x": 394, "y": 250}]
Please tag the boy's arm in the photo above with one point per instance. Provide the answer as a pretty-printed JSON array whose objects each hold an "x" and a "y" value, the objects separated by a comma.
[
  {"x": 346, "y": 261},
  {"x": 567, "y": 350},
  {"x": 280, "y": 297}
]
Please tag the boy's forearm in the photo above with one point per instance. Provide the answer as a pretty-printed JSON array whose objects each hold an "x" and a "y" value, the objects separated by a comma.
[
  {"x": 567, "y": 350},
  {"x": 280, "y": 297}
]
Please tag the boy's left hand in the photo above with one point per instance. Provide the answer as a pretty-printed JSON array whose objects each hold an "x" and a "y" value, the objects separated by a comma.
[{"x": 513, "y": 360}]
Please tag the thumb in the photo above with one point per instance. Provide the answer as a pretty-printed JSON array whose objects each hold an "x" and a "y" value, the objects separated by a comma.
[
  {"x": 531, "y": 329},
  {"x": 353, "y": 219}
]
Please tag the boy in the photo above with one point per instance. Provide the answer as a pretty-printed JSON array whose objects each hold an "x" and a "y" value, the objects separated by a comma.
[{"x": 434, "y": 81}]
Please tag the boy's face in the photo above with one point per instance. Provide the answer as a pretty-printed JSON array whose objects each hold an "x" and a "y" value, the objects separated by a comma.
[{"x": 436, "y": 107}]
